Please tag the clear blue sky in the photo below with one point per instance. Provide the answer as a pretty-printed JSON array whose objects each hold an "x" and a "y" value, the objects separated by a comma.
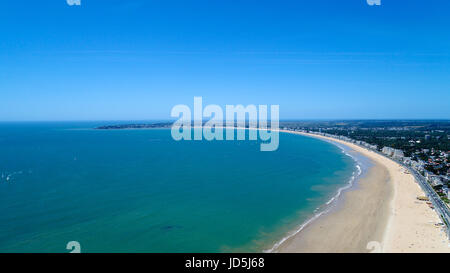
[{"x": 135, "y": 59}]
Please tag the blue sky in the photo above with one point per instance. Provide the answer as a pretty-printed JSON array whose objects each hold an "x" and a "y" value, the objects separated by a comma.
[{"x": 136, "y": 59}]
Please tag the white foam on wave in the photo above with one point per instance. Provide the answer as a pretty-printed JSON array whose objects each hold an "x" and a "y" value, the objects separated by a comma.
[{"x": 328, "y": 206}]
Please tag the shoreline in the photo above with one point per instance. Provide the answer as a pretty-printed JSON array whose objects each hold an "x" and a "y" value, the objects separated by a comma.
[
  {"x": 392, "y": 219},
  {"x": 375, "y": 217},
  {"x": 332, "y": 203}
]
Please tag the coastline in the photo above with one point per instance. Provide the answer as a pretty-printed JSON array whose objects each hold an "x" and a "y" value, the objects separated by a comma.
[
  {"x": 382, "y": 214},
  {"x": 378, "y": 213}
]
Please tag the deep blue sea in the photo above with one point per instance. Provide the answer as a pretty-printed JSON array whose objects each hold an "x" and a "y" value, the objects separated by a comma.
[{"x": 141, "y": 191}]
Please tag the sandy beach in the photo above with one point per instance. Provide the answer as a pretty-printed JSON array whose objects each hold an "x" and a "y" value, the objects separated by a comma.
[{"x": 380, "y": 214}]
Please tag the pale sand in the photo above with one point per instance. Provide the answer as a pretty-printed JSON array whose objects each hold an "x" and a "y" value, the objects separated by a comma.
[{"x": 382, "y": 208}]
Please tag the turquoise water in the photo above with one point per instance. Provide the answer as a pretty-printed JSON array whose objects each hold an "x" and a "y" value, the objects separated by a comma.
[{"x": 141, "y": 191}]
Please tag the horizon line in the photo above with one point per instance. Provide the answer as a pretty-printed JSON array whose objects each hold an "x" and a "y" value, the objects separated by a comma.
[{"x": 281, "y": 120}]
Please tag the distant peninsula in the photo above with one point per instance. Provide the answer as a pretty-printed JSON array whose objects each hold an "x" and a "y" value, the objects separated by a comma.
[{"x": 135, "y": 126}]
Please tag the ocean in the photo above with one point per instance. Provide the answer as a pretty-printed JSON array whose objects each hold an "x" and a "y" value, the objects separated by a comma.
[{"x": 141, "y": 191}]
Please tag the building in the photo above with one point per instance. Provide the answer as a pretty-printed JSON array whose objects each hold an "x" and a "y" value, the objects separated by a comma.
[
  {"x": 418, "y": 165},
  {"x": 398, "y": 154},
  {"x": 373, "y": 147},
  {"x": 407, "y": 160},
  {"x": 435, "y": 181},
  {"x": 445, "y": 179},
  {"x": 395, "y": 153},
  {"x": 388, "y": 151}
]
